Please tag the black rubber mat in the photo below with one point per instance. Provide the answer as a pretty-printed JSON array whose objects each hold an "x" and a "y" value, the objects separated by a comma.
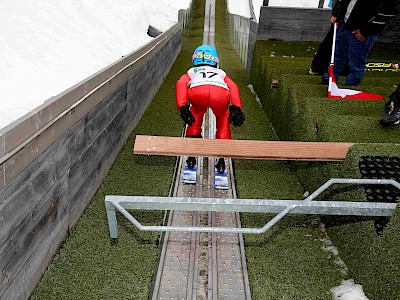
[{"x": 381, "y": 167}]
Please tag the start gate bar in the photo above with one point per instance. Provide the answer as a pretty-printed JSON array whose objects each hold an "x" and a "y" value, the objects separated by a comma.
[{"x": 282, "y": 207}]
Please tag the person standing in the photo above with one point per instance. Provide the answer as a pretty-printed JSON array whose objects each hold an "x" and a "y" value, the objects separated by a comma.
[
  {"x": 320, "y": 62},
  {"x": 359, "y": 22}
]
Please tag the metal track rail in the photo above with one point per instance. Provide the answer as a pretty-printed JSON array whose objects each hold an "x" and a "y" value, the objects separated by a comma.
[{"x": 202, "y": 265}]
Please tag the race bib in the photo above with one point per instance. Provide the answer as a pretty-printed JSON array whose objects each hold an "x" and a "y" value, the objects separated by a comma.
[{"x": 206, "y": 75}]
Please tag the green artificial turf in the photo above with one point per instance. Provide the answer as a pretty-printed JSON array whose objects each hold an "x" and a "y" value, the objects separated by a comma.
[
  {"x": 372, "y": 258},
  {"x": 287, "y": 262},
  {"x": 299, "y": 109}
]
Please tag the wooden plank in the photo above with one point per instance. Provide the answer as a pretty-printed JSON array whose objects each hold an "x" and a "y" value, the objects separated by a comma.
[
  {"x": 248, "y": 149},
  {"x": 49, "y": 213}
]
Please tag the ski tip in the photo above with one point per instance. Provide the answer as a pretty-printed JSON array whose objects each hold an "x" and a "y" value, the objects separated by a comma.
[
  {"x": 189, "y": 175},
  {"x": 221, "y": 181}
]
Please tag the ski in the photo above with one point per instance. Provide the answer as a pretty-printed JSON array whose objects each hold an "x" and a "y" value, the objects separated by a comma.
[
  {"x": 189, "y": 174},
  {"x": 221, "y": 180}
]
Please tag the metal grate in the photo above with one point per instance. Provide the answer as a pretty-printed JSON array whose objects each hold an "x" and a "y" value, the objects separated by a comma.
[{"x": 381, "y": 167}]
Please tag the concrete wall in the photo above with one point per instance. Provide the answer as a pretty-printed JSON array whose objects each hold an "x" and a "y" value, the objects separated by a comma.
[
  {"x": 289, "y": 24},
  {"x": 53, "y": 160},
  {"x": 308, "y": 24},
  {"x": 293, "y": 24}
]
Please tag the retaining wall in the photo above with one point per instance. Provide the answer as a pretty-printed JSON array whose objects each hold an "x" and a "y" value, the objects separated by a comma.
[
  {"x": 309, "y": 24},
  {"x": 53, "y": 159},
  {"x": 289, "y": 24},
  {"x": 293, "y": 24}
]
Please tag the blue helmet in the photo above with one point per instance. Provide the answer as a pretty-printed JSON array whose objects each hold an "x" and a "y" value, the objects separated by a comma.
[{"x": 205, "y": 54}]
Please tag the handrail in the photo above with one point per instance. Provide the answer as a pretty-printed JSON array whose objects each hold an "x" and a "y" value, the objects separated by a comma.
[{"x": 282, "y": 207}]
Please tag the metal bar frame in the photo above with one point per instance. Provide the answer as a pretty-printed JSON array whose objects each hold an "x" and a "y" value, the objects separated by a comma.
[{"x": 281, "y": 207}]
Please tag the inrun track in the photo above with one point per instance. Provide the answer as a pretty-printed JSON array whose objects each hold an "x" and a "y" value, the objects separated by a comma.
[{"x": 286, "y": 263}]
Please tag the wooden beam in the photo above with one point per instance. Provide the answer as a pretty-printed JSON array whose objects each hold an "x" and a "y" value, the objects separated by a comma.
[{"x": 248, "y": 149}]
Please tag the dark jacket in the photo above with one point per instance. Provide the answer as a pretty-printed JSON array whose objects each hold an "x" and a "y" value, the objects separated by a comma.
[{"x": 370, "y": 16}]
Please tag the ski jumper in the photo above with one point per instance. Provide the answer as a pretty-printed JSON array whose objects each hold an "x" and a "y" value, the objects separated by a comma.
[{"x": 207, "y": 87}]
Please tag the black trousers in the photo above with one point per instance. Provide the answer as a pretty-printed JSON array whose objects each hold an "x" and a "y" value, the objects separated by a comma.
[{"x": 322, "y": 58}]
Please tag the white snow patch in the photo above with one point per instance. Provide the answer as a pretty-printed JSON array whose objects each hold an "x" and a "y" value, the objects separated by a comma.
[
  {"x": 348, "y": 290},
  {"x": 328, "y": 246},
  {"x": 250, "y": 86}
]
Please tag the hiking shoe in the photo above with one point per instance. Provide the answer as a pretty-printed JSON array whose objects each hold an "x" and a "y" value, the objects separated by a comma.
[
  {"x": 191, "y": 162},
  {"x": 391, "y": 116},
  {"x": 220, "y": 166},
  {"x": 312, "y": 72}
]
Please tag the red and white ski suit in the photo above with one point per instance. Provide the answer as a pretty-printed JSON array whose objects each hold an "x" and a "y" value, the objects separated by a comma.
[{"x": 207, "y": 87}]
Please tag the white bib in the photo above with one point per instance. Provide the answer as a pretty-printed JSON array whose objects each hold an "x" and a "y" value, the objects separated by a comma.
[{"x": 206, "y": 75}]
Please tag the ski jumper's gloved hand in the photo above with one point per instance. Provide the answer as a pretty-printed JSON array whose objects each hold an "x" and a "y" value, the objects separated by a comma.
[
  {"x": 236, "y": 116},
  {"x": 186, "y": 115}
]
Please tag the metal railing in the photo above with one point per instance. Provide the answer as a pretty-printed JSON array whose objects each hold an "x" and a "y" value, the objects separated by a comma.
[
  {"x": 282, "y": 207},
  {"x": 238, "y": 33}
]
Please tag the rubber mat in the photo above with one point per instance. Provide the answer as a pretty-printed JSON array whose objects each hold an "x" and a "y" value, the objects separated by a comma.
[{"x": 381, "y": 167}]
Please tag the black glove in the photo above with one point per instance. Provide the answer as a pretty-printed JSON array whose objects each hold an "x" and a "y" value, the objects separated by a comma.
[
  {"x": 236, "y": 116},
  {"x": 186, "y": 115}
]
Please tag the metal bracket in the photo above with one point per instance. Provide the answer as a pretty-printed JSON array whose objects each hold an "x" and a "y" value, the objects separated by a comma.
[{"x": 282, "y": 207}]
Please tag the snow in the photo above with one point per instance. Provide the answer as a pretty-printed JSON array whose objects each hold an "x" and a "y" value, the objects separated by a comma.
[
  {"x": 47, "y": 46},
  {"x": 348, "y": 290},
  {"x": 240, "y": 7}
]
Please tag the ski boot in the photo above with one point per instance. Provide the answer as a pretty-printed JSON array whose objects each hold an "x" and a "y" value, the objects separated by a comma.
[
  {"x": 191, "y": 162},
  {"x": 391, "y": 114},
  {"x": 220, "y": 166}
]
